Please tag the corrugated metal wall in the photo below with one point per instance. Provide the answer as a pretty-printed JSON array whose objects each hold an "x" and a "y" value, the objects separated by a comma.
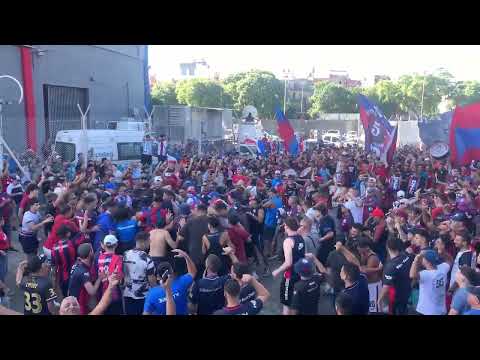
[{"x": 61, "y": 111}]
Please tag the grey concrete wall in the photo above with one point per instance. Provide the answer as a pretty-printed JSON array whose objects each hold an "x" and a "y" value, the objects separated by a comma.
[
  {"x": 14, "y": 129},
  {"x": 113, "y": 75}
]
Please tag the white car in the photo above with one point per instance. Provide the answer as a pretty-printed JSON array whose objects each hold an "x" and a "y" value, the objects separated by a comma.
[
  {"x": 330, "y": 139},
  {"x": 333, "y": 132}
]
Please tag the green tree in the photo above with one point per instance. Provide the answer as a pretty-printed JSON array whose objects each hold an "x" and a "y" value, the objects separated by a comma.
[
  {"x": 438, "y": 86},
  {"x": 201, "y": 93},
  {"x": 332, "y": 98},
  {"x": 387, "y": 95},
  {"x": 256, "y": 87},
  {"x": 163, "y": 93},
  {"x": 465, "y": 92}
]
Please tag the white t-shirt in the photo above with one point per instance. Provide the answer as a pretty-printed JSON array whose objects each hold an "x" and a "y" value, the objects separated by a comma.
[
  {"x": 464, "y": 257},
  {"x": 357, "y": 211},
  {"x": 137, "y": 266},
  {"x": 28, "y": 220},
  {"x": 432, "y": 290}
]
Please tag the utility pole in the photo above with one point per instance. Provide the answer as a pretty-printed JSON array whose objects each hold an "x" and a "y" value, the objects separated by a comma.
[{"x": 423, "y": 93}]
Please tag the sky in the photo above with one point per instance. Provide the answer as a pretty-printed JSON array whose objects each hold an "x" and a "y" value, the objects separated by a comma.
[{"x": 361, "y": 62}]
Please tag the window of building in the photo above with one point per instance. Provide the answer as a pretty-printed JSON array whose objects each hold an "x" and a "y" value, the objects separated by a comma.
[{"x": 129, "y": 151}]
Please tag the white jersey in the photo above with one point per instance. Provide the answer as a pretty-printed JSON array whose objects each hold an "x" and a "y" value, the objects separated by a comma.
[
  {"x": 137, "y": 267},
  {"x": 432, "y": 290}
]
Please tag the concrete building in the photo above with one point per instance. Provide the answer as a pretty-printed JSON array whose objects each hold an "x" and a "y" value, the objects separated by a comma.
[
  {"x": 113, "y": 79},
  {"x": 378, "y": 78},
  {"x": 340, "y": 78}
]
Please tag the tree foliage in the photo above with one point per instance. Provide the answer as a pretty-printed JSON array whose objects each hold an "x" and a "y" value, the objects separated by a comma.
[
  {"x": 258, "y": 88},
  {"x": 163, "y": 93},
  {"x": 332, "y": 98},
  {"x": 200, "y": 92}
]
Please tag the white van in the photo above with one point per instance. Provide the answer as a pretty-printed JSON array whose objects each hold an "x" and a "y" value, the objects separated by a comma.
[
  {"x": 120, "y": 146},
  {"x": 248, "y": 151}
]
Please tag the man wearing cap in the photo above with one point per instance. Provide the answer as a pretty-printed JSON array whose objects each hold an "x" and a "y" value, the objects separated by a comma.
[
  {"x": 377, "y": 226},
  {"x": 81, "y": 285},
  {"x": 39, "y": 293},
  {"x": 109, "y": 263},
  {"x": 432, "y": 282},
  {"x": 156, "y": 297},
  {"x": 306, "y": 292},
  {"x": 474, "y": 301}
]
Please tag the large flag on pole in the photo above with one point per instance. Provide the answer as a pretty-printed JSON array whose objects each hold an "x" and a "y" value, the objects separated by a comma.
[
  {"x": 465, "y": 134},
  {"x": 285, "y": 130},
  {"x": 380, "y": 136}
]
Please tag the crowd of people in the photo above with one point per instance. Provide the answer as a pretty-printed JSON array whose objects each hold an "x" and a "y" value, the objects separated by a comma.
[{"x": 198, "y": 235}]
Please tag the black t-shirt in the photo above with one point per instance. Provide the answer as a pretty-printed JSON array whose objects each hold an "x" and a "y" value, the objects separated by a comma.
[
  {"x": 193, "y": 232},
  {"x": 326, "y": 225},
  {"x": 360, "y": 296},
  {"x": 247, "y": 293},
  {"x": 251, "y": 308},
  {"x": 207, "y": 293},
  {"x": 396, "y": 273},
  {"x": 79, "y": 275},
  {"x": 335, "y": 262},
  {"x": 306, "y": 295},
  {"x": 38, "y": 292}
]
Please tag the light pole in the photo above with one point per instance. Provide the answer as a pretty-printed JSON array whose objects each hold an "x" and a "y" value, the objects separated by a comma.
[
  {"x": 423, "y": 93},
  {"x": 286, "y": 74}
]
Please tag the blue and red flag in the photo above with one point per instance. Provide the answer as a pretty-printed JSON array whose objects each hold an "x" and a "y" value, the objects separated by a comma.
[
  {"x": 285, "y": 130},
  {"x": 465, "y": 134},
  {"x": 380, "y": 135}
]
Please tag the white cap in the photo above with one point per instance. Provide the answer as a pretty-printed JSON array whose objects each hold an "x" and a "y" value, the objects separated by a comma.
[
  {"x": 400, "y": 194},
  {"x": 277, "y": 172},
  {"x": 157, "y": 179},
  {"x": 110, "y": 240}
]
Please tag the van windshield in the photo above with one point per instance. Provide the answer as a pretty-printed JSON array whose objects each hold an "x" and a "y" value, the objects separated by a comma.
[{"x": 65, "y": 150}]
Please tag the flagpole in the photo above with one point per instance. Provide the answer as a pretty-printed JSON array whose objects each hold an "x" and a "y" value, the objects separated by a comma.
[{"x": 423, "y": 93}]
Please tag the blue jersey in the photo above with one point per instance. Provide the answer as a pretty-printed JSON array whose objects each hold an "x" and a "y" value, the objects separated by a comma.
[
  {"x": 271, "y": 214},
  {"x": 156, "y": 301},
  {"x": 106, "y": 224},
  {"x": 276, "y": 182},
  {"x": 126, "y": 231}
]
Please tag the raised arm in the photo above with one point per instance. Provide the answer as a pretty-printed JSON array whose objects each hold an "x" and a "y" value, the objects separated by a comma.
[{"x": 191, "y": 268}]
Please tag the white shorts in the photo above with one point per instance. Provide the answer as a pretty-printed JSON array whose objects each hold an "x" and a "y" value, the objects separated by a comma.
[{"x": 374, "y": 292}]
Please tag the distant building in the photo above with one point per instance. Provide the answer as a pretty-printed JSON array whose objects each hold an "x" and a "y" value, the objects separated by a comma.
[
  {"x": 340, "y": 78},
  {"x": 378, "y": 78},
  {"x": 193, "y": 69},
  {"x": 296, "y": 87}
]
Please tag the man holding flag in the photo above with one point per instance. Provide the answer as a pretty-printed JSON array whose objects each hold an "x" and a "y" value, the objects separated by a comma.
[
  {"x": 285, "y": 130},
  {"x": 380, "y": 136}
]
